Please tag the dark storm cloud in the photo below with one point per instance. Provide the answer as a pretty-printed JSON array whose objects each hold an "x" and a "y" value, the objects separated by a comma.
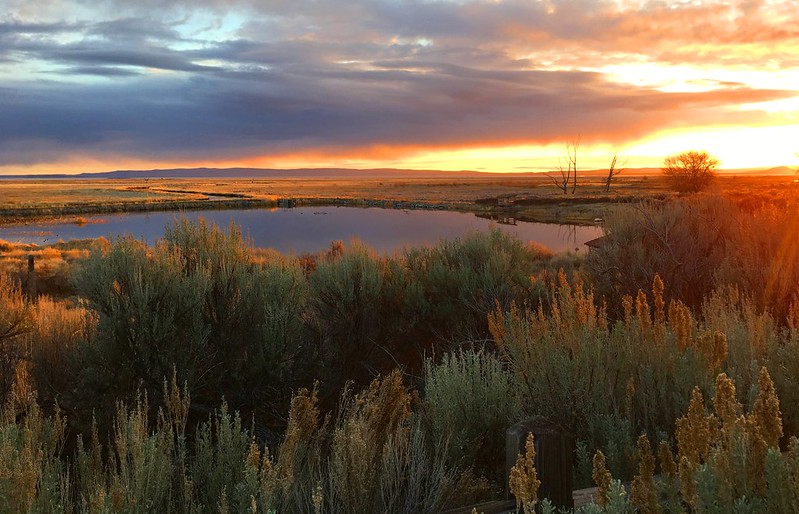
[
  {"x": 147, "y": 79},
  {"x": 216, "y": 117},
  {"x": 17, "y": 27},
  {"x": 157, "y": 58},
  {"x": 101, "y": 71}
]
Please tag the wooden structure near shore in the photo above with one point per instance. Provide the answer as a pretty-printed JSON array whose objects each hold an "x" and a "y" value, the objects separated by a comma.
[{"x": 554, "y": 448}]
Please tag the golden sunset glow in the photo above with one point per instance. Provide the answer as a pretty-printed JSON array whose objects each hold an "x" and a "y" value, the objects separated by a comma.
[{"x": 495, "y": 86}]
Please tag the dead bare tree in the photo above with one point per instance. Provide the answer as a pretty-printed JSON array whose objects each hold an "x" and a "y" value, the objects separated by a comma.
[
  {"x": 614, "y": 169},
  {"x": 562, "y": 179},
  {"x": 571, "y": 160},
  {"x": 567, "y": 168}
]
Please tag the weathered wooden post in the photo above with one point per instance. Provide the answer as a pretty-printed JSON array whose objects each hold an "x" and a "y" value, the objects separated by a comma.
[
  {"x": 553, "y": 458},
  {"x": 30, "y": 288}
]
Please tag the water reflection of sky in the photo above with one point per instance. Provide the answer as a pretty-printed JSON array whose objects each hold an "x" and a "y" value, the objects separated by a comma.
[{"x": 310, "y": 229}]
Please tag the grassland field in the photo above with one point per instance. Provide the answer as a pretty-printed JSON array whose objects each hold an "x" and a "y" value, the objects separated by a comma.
[{"x": 530, "y": 198}]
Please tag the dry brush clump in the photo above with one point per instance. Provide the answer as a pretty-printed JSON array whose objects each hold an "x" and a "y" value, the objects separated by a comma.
[
  {"x": 683, "y": 242},
  {"x": 376, "y": 457},
  {"x": 44, "y": 336},
  {"x": 601, "y": 379},
  {"x": 700, "y": 245},
  {"x": 59, "y": 332},
  {"x": 764, "y": 261},
  {"x": 195, "y": 302},
  {"x": 471, "y": 401},
  {"x": 254, "y": 325},
  {"x": 729, "y": 460},
  {"x": 15, "y": 322},
  {"x": 460, "y": 280}
]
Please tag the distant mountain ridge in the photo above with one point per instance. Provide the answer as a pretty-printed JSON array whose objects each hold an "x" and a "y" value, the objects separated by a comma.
[
  {"x": 252, "y": 173},
  {"x": 327, "y": 173}
]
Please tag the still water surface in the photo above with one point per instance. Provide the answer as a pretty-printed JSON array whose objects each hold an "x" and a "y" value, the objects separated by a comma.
[{"x": 311, "y": 229}]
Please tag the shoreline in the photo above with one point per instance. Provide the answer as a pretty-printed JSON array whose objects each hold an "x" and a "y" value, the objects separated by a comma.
[{"x": 540, "y": 210}]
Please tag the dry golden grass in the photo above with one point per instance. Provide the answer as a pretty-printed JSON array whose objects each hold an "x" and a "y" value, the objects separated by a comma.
[
  {"x": 54, "y": 264},
  {"x": 455, "y": 192},
  {"x": 49, "y": 193},
  {"x": 523, "y": 480},
  {"x": 642, "y": 490},
  {"x": 602, "y": 479},
  {"x": 539, "y": 199}
]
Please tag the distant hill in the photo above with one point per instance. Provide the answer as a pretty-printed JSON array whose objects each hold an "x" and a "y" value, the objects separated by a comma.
[
  {"x": 252, "y": 173},
  {"x": 307, "y": 173},
  {"x": 327, "y": 173},
  {"x": 782, "y": 170},
  {"x": 762, "y": 172}
]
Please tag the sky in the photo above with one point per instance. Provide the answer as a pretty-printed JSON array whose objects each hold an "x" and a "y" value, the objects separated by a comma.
[{"x": 492, "y": 85}]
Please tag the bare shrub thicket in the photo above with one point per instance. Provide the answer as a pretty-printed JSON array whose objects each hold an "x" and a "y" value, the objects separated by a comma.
[
  {"x": 698, "y": 245},
  {"x": 458, "y": 281},
  {"x": 763, "y": 259}
]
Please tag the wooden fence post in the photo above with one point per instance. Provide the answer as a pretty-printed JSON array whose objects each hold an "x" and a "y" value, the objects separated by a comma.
[
  {"x": 30, "y": 289},
  {"x": 554, "y": 450}
]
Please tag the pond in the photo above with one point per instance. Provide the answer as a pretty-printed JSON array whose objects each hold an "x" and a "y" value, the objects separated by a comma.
[{"x": 311, "y": 229}]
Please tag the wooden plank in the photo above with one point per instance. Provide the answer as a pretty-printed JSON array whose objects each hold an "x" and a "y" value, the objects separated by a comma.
[
  {"x": 583, "y": 497},
  {"x": 494, "y": 507}
]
